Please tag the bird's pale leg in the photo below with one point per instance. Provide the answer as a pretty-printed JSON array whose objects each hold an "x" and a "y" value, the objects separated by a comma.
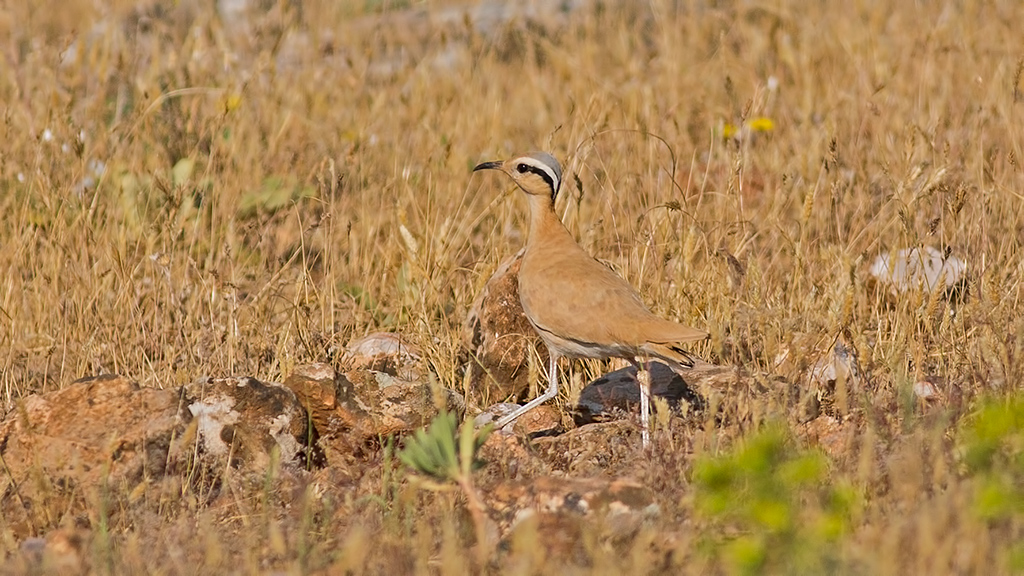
[
  {"x": 552, "y": 391},
  {"x": 643, "y": 381},
  {"x": 643, "y": 378}
]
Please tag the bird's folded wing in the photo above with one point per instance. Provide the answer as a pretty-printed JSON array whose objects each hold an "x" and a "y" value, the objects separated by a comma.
[{"x": 583, "y": 300}]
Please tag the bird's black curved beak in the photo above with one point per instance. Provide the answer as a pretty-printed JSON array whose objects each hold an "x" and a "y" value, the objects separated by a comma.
[{"x": 487, "y": 166}]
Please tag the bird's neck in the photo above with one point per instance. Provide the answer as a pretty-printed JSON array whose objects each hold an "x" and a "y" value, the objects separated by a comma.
[{"x": 545, "y": 226}]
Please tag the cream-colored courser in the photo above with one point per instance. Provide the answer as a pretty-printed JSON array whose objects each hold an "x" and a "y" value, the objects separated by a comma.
[{"x": 580, "y": 307}]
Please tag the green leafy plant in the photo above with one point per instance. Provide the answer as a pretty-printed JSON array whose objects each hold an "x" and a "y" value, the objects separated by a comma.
[
  {"x": 776, "y": 501},
  {"x": 442, "y": 456},
  {"x": 433, "y": 452},
  {"x": 992, "y": 450}
]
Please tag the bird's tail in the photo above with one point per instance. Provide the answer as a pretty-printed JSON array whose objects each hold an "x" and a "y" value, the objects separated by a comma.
[{"x": 670, "y": 352}]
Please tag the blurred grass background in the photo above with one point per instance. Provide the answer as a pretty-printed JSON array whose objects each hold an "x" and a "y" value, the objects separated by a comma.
[{"x": 193, "y": 188}]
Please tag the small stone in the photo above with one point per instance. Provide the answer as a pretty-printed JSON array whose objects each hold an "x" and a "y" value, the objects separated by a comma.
[
  {"x": 387, "y": 352},
  {"x": 62, "y": 551},
  {"x": 33, "y": 548},
  {"x": 361, "y": 405},
  {"x": 590, "y": 449},
  {"x": 509, "y": 457},
  {"x": 543, "y": 420},
  {"x": 494, "y": 413},
  {"x": 927, "y": 390}
]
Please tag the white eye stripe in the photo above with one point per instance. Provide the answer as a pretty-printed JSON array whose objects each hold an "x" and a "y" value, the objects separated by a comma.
[{"x": 552, "y": 177}]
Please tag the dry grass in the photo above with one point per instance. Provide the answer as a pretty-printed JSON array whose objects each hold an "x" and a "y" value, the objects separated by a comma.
[{"x": 268, "y": 193}]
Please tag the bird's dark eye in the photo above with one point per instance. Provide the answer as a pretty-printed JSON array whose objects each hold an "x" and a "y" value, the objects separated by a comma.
[{"x": 522, "y": 168}]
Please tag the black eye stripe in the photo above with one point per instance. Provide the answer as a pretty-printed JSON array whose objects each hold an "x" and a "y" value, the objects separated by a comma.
[{"x": 524, "y": 168}]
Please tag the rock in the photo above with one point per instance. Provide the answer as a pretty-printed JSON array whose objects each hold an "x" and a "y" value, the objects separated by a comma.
[
  {"x": 553, "y": 512},
  {"x": 619, "y": 390},
  {"x": 838, "y": 363},
  {"x": 316, "y": 387},
  {"x": 508, "y": 457},
  {"x": 590, "y": 449},
  {"x": 383, "y": 404},
  {"x": 928, "y": 389},
  {"x": 583, "y": 496},
  {"x": 103, "y": 434},
  {"x": 62, "y": 551},
  {"x": 247, "y": 419},
  {"x": 541, "y": 421},
  {"x": 497, "y": 339},
  {"x": 351, "y": 408},
  {"x": 835, "y": 437},
  {"x": 925, "y": 390},
  {"x": 493, "y": 413},
  {"x": 913, "y": 268},
  {"x": 820, "y": 363},
  {"x": 384, "y": 352}
]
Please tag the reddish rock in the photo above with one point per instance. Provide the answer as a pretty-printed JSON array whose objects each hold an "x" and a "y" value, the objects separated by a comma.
[
  {"x": 360, "y": 405},
  {"x": 590, "y": 449},
  {"x": 61, "y": 551},
  {"x": 835, "y": 437},
  {"x": 554, "y": 512},
  {"x": 544, "y": 420},
  {"x": 497, "y": 338},
  {"x": 583, "y": 496},
  {"x": 383, "y": 404},
  {"x": 509, "y": 457},
  {"x": 105, "y": 433},
  {"x": 316, "y": 387},
  {"x": 247, "y": 419}
]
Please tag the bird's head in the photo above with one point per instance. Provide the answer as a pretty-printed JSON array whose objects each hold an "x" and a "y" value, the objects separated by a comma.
[{"x": 536, "y": 173}]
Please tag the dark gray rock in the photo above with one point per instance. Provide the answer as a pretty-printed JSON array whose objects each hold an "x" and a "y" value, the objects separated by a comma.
[{"x": 618, "y": 391}]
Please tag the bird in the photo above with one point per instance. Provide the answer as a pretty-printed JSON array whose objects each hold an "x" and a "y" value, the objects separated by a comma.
[{"x": 580, "y": 307}]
